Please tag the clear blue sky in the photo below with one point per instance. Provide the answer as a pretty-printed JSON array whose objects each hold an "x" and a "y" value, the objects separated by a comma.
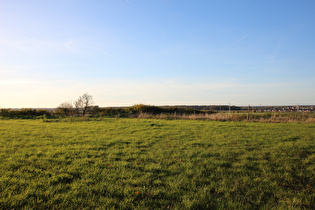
[{"x": 158, "y": 52}]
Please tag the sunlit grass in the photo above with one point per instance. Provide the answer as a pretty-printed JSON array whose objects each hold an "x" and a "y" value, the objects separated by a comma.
[{"x": 150, "y": 163}]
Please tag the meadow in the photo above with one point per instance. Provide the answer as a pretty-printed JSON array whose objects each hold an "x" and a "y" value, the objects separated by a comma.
[{"x": 156, "y": 164}]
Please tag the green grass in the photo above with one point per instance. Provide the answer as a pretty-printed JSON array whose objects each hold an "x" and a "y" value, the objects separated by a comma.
[{"x": 152, "y": 164}]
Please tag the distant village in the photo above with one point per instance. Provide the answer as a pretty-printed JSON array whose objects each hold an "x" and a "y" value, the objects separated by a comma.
[
  {"x": 233, "y": 108},
  {"x": 284, "y": 109}
]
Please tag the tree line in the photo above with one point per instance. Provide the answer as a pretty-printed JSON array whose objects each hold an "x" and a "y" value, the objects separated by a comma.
[{"x": 84, "y": 107}]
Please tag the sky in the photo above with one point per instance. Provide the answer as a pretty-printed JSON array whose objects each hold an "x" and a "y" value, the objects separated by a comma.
[{"x": 157, "y": 52}]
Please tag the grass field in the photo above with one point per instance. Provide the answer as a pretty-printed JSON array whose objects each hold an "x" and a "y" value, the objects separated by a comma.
[{"x": 156, "y": 163}]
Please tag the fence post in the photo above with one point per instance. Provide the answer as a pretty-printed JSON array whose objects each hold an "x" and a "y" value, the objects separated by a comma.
[{"x": 248, "y": 112}]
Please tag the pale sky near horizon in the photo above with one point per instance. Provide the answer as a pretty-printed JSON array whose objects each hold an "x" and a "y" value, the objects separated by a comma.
[{"x": 157, "y": 52}]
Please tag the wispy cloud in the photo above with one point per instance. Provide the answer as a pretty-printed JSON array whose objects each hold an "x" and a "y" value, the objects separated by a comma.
[
  {"x": 240, "y": 39},
  {"x": 100, "y": 50},
  {"x": 277, "y": 51},
  {"x": 7, "y": 71},
  {"x": 71, "y": 45},
  {"x": 13, "y": 82},
  {"x": 14, "y": 70},
  {"x": 37, "y": 46},
  {"x": 34, "y": 47}
]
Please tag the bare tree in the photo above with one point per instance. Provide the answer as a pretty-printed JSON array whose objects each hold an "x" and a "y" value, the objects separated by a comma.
[
  {"x": 66, "y": 108},
  {"x": 83, "y": 103},
  {"x": 78, "y": 104}
]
